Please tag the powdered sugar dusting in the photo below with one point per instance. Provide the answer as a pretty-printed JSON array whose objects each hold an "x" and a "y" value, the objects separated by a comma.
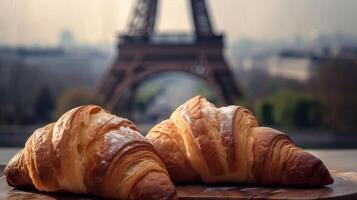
[
  {"x": 184, "y": 113},
  {"x": 122, "y": 136},
  {"x": 227, "y": 114}
]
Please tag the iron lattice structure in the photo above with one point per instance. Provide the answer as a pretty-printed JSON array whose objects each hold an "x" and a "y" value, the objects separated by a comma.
[{"x": 142, "y": 53}]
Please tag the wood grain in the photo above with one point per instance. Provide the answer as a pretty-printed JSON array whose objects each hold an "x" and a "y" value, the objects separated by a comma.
[{"x": 345, "y": 187}]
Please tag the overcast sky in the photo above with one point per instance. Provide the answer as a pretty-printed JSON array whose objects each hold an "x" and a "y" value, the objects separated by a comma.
[{"x": 28, "y": 22}]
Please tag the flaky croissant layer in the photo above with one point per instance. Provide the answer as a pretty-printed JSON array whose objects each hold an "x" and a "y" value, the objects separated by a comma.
[
  {"x": 89, "y": 150},
  {"x": 201, "y": 142}
]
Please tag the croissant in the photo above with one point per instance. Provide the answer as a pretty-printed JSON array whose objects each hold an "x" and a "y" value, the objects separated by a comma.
[
  {"x": 91, "y": 151},
  {"x": 203, "y": 143}
]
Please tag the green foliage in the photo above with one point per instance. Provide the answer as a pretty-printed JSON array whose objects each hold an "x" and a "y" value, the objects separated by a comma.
[
  {"x": 43, "y": 105},
  {"x": 147, "y": 94},
  {"x": 265, "y": 113},
  {"x": 75, "y": 97},
  {"x": 285, "y": 108},
  {"x": 290, "y": 109},
  {"x": 308, "y": 112}
]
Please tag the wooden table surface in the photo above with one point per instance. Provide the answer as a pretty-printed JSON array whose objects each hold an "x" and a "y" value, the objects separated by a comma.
[{"x": 341, "y": 160}]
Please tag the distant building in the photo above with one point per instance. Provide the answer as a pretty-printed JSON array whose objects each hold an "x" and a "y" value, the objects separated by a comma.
[
  {"x": 60, "y": 69},
  {"x": 295, "y": 59},
  {"x": 66, "y": 40},
  {"x": 293, "y": 64},
  {"x": 297, "y": 68}
]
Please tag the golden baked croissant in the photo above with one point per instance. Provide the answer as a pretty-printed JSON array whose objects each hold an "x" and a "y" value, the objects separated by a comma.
[
  {"x": 91, "y": 151},
  {"x": 201, "y": 142}
]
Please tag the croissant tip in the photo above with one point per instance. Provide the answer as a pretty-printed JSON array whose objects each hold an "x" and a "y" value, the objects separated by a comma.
[
  {"x": 326, "y": 176},
  {"x": 322, "y": 174},
  {"x": 154, "y": 185},
  {"x": 330, "y": 181}
]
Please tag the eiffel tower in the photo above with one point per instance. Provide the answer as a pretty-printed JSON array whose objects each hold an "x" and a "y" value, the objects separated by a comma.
[{"x": 142, "y": 54}]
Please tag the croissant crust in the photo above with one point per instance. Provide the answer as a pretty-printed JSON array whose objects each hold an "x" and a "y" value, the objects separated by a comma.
[
  {"x": 91, "y": 151},
  {"x": 203, "y": 143}
]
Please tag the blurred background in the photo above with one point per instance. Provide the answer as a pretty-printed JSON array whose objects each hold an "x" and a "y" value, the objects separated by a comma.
[{"x": 294, "y": 62}]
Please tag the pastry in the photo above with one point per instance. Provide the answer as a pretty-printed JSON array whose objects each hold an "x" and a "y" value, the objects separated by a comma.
[
  {"x": 90, "y": 151},
  {"x": 203, "y": 143}
]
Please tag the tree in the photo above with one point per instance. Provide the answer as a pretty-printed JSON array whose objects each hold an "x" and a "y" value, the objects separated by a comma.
[
  {"x": 290, "y": 109},
  {"x": 265, "y": 113},
  {"x": 44, "y": 105},
  {"x": 335, "y": 82}
]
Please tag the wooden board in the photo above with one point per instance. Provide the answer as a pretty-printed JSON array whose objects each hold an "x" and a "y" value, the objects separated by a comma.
[{"x": 345, "y": 187}]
